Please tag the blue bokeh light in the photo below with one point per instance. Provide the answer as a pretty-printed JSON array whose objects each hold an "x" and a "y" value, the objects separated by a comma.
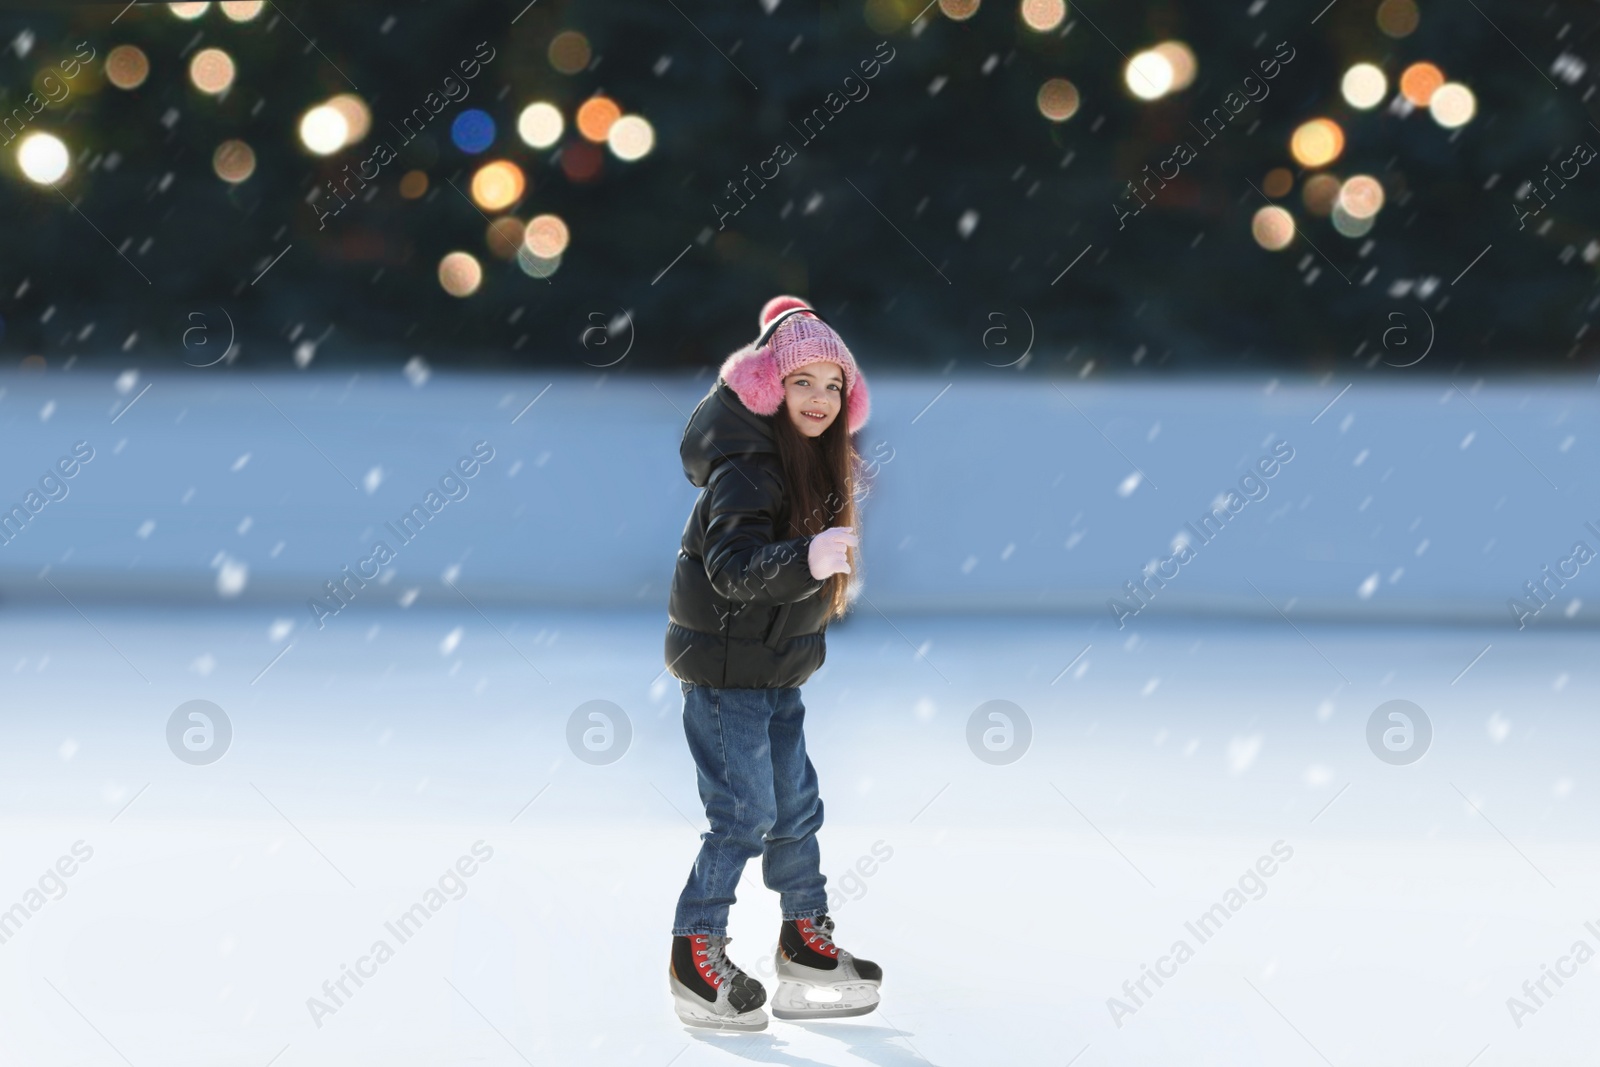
[{"x": 472, "y": 131}]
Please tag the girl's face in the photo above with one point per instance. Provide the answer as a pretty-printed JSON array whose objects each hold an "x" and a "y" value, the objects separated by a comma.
[{"x": 813, "y": 396}]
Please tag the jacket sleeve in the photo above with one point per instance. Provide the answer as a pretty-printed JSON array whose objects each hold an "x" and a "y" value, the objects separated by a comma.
[{"x": 742, "y": 560}]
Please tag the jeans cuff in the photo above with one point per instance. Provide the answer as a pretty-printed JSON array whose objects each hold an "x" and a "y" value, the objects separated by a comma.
[
  {"x": 692, "y": 930},
  {"x": 804, "y": 913}
]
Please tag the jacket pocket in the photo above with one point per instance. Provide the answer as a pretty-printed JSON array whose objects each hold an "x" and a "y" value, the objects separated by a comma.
[{"x": 775, "y": 631}]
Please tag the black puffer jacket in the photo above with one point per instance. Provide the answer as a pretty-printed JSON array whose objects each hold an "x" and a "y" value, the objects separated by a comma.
[{"x": 744, "y": 612}]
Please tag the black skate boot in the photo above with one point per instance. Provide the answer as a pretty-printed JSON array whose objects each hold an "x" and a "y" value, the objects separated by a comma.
[
  {"x": 710, "y": 990},
  {"x": 809, "y": 963}
]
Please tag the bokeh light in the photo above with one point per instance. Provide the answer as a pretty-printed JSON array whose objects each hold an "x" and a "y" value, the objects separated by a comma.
[
  {"x": 1278, "y": 182},
  {"x": 1398, "y": 18},
  {"x": 595, "y": 116},
  {"x": 1363, "y": 86},
  {"x": 242, "y": 10},
  {"x": 460, "y": 274},
  {"x": 958, "y": 10},
  {"x": 357, "y": 116},
  {"x": 546, "y": 236},
  {"x": 1058, "y": 100},
  {"x": 212, "y": 71},
  {"x": 413, "y": 184},
  {"x": 504, "y": 237},
  {"x": 1273, "y": 228},
  {"x": 127, "y": 66},
  {"x": 1420, "y": 81},
  {"x": 498, "y": 185},
  {"x": 569, "y": 52},
  {"x": 234, "y": 161},
  {"x": 472, "y": 131},
  {"x": 883, "y": 16},
  {"x": 1043, "y": 15},
  {"x": 1317, "y": 143},
  {"x": 1148, "y": 75},
  {"x": 540, "y": 125},
  {"x": 536, "y": 266},
  {"x": 581, "y": 161},
  {"x": 43, "y": 158},
  {"x": 1320, "y": 193},
  {"x": 1452, "y": 105},
  {"x": 323, "y": 130},
  {"x": 1361, "y": 197},
  {"x": 1180, "y": 57},
  {"x": 188, "y": 11},
  {"x": 631, "y": 137},
  {"x": 1350, "y": 225}
]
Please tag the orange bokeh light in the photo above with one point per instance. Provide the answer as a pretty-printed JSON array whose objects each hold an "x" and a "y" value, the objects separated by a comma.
[
  {"x": 1058, "y": 100},
  {"x": 127, "y": 66},
  {"x": 505, "y": 236},
  {"x": 414, "y": 184},
  {"x": 460, "y": 274},
  {"x": 569, "y": 52},
  {"x": 1361, "y": 196},
  {"x": 234, "y": 161},
  {"x": 1420, "y": 81},
  {"x": 595, "y": 117},
  {"x": 498, "y": 185},
  {"x": 1320, "y": 193},
  {"x": 1317, "y": 143},
  {"x": 547, "y": 236},
  {"x": 1273, "y": 228},
  {"x": 212, "y": 71},
  {"x": 1398, "y": 18}
]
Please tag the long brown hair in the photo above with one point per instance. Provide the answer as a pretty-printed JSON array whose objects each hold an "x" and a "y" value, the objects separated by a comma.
[{"x": 820, "y": 477}]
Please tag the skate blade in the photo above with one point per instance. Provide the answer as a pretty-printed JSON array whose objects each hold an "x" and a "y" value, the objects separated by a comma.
[
  {"x": 855, "y": 999},
  {"x": 724, "y": 1022},
  {"x": 692, "y": 1014}
]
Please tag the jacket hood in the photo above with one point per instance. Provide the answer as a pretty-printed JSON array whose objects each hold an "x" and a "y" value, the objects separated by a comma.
[{"x": 722, "y": 428}]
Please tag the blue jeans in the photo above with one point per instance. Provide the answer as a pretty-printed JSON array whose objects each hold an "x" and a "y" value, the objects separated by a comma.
[{"x": 760, "y": 794}]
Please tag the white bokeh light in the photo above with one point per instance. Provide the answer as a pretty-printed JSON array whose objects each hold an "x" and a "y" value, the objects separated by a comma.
[
  {"x": 1149, "y": 75},
  {"x": 1452, "y": 105},
  {"x": 631, "y": 137},
  {"x": 540, "y": 125},
  {"x": 324, "y": 130},
  {"x": 1364, "y": 86},
  {"x": 43, "y": 158}
]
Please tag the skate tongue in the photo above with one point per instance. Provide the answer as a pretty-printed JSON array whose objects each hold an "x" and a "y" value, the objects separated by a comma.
[{"x": 718, "y": 958}]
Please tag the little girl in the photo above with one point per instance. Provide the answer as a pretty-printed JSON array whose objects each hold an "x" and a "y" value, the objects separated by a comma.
[{"x": 763, "y": 567}]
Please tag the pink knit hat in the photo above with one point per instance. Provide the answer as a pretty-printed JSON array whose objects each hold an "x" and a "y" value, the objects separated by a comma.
[{"x": 756, "y": 374}]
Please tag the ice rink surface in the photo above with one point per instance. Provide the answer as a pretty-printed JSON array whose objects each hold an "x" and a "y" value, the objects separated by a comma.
[{"x": 1014, "y": 907}]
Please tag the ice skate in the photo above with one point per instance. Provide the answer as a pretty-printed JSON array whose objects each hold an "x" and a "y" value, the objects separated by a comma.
[
  {"x": 710, "y": 990},
  {"x": 819, "y": 980}
]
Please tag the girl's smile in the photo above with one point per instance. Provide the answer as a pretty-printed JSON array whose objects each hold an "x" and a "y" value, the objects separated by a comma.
[{"x": 813, "y": 396}]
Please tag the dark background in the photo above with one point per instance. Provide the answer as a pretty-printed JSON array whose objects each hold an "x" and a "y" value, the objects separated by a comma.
[{"x": 1183, "y": 288}]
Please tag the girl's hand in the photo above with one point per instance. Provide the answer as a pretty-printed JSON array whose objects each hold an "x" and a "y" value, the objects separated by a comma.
[{"x": 828, "y": 554}]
